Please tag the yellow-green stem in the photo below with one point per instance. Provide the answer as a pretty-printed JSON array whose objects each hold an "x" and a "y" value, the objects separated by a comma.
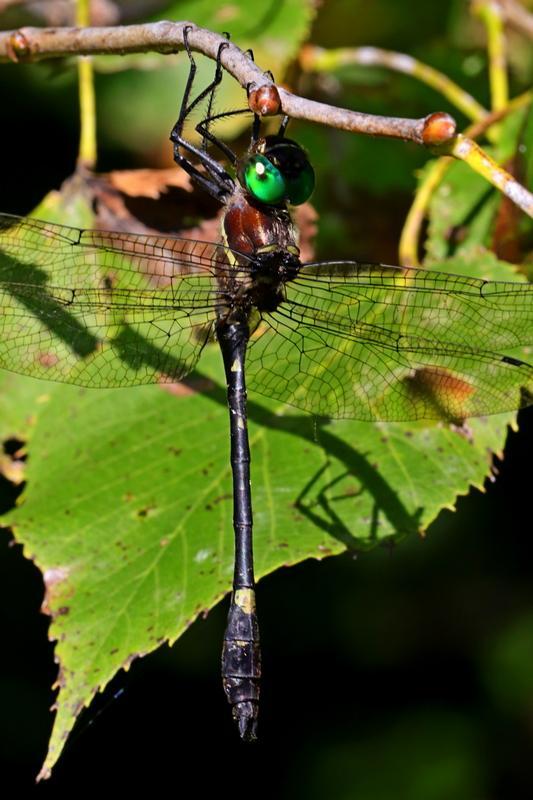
[
  {"x": 317, "y": 58},
  {"x": 409, "y": 239},
  {"x": 490, "y": 14},
  {"x": 467, "y": 150},
  {"x": 408, "y": 247},
  {"x": 87, "y": 148}
]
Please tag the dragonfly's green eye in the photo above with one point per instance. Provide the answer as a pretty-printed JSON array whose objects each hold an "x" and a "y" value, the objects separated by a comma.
[
  {"x": 279, "y": 173},
  {"x": 264, "y": 181},
  {"x": 300, "y": 186}
]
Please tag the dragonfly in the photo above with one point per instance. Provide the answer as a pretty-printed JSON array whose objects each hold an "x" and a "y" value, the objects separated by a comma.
[{"x": 337, "y": 339}]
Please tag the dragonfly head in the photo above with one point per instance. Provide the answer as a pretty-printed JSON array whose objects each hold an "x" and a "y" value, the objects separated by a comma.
[{"x": 276, "y": 171}]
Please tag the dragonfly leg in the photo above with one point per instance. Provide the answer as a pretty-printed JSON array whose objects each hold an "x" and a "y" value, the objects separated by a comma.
[
  {"x": 256, "y": 126},
  {"x": 241, "y": 655},
  {"x": 203, "y": 127},
  {"x": 216, "y": 180},
  {"x": 203, "y": 130},
  {"x": 283, "y": 125}
]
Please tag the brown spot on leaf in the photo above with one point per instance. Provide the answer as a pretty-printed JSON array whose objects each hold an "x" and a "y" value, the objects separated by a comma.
[
  {"x": 465, "y": 431},
  {"x": 13, "y": 469},
  {"x": 146, "y": 511},
  {"x": 445, "y": 392},
  {"x": 53, "y": 580},
  {"x": 47, "y": 359},
  {"x": 221, "y": 498},
  {"x": 352, "y": 491}
]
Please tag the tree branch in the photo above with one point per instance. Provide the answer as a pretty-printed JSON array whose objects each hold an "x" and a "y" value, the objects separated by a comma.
[
  {"x": 436, "y": 131},
  {"x": 517, "y": 17},
  {"x": 319, "y": 59},
  {"x": 36, "y": 44},
  {"x": 411, "y": 233}
]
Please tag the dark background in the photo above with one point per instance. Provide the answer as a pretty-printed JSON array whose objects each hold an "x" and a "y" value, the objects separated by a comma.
[{"x": 405, "y": 673}]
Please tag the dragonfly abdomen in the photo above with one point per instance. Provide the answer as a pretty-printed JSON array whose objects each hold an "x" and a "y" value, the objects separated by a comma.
[{"x": 241, "y": 662}]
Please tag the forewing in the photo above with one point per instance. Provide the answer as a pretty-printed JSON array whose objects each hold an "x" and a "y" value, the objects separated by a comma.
[
  {"x": 385, "y": 343},
  {"x": 103, "y": 309}
]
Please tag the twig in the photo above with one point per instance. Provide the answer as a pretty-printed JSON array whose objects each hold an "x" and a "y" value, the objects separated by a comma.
[
  {"x": 517, "y": 17},
  {"x": 410, "y": 236},
  {"x": 467, "y": 150},
  {"x": 35, "y": 44},
  {"x": 317, "y": 58},
  {"x": 435, "y": 130}
]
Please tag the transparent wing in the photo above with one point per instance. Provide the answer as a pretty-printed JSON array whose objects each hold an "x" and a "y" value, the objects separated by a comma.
[
  {"x": 103, "y": 309},
  {"x": 350, "y": 340},
  {"x": 373, "y": 342}
]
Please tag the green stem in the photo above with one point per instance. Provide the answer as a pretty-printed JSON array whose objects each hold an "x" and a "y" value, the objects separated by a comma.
[
  {"x": 316, "y": 58},
  {"x": 477, "y": 159},
  {"x": 87, "y": 153},
  {"x": 490, "y": 14},
  {"x": 410, "y": 237}
]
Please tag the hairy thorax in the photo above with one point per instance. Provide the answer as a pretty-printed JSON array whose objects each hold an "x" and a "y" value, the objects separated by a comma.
[{"x": 265, "y": 256}]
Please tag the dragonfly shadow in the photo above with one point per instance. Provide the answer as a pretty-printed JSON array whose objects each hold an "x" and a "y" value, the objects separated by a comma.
[
  {"x": 50, "y": 306},
  {"x": 29, "y": 299},
  {"x": 316, "y": 501},
  {"x": 139, "y": 354},
  {"x": 28, "y": 287},
  {"x": 320, "y": 505}
]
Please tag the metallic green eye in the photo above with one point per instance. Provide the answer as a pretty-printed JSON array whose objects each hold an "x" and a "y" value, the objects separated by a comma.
[
  {"x": 300, "y": 187},
  {"x": 264, "y": 181}
]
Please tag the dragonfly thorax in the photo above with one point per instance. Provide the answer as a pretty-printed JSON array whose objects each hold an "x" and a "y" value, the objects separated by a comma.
[
  {"x": 251, "y": 227},
  {"x": 270, "y": 271},
  {"x": 264, "y": 256}
]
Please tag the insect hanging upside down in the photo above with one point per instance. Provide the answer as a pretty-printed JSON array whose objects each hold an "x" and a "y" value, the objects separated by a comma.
[{"x": 339, "y": 339}]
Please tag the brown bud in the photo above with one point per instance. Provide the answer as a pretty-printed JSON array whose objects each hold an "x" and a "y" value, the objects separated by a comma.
[
  {"x": 439, "y": 128},
  {"x": 264, "y": 101},
  {"x": 18, "y": 47}
]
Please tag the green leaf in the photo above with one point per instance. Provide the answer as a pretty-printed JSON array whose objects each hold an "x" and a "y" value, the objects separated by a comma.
[
  {"x": 19, "y": 402},
  {"x": 461, "y": 213},
  {"x": 128, "y": 509},
  {"x": 128, "y": 505}
]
